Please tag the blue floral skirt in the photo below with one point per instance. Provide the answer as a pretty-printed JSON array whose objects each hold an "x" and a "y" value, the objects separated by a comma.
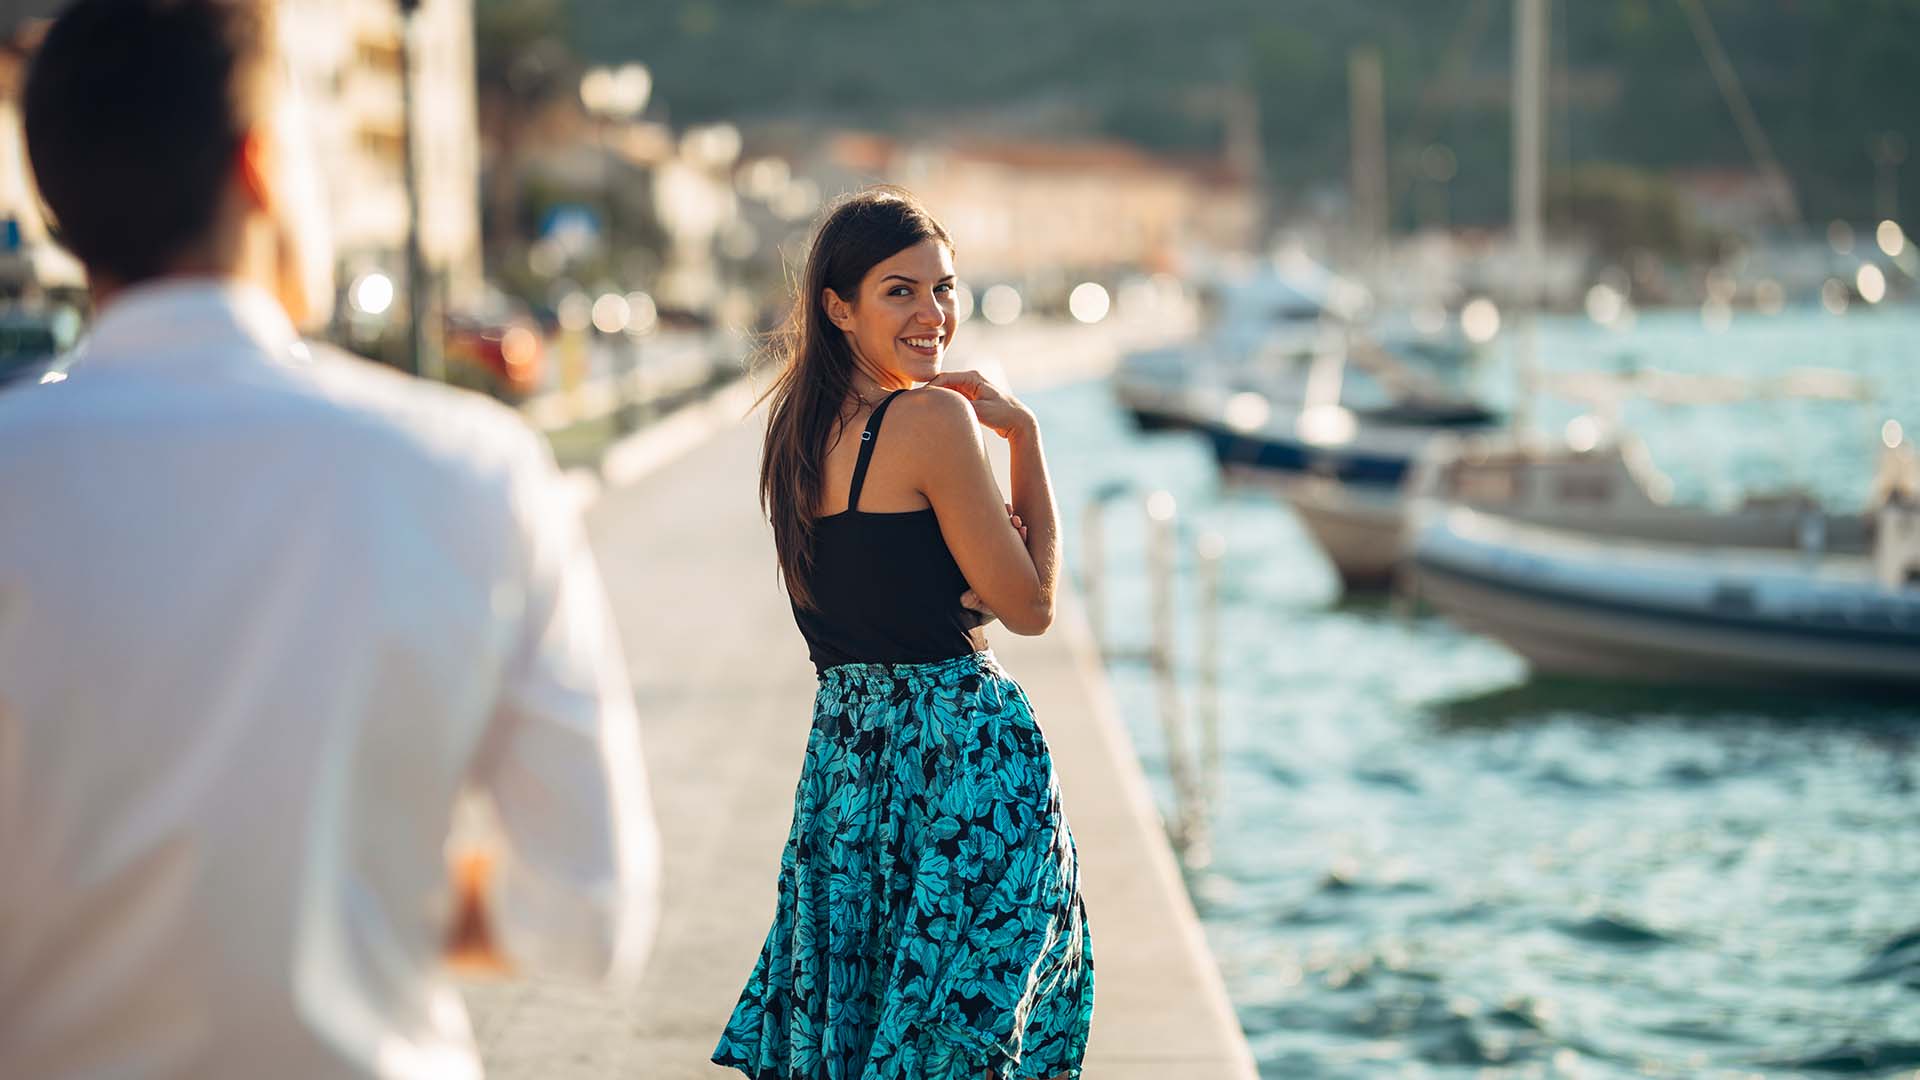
[{"x": 929, "y": 924}]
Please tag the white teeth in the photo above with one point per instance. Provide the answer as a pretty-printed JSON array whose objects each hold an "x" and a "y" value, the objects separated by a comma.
[{"x": 923, "y": 343}]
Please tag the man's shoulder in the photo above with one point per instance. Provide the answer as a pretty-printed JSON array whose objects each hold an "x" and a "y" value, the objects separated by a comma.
[{"x": 459, "y": 427}]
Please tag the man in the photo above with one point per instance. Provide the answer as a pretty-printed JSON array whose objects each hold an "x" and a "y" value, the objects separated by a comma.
[{"x": 264, "y": 612}]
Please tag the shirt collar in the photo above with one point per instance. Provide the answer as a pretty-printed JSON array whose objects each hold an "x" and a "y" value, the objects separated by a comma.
[{"x": 189, "y": 314}]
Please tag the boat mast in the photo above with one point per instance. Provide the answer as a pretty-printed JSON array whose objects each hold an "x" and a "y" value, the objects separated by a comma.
[
  {"x": 1366, "y": 114},
  {"x": 1529, "y": 176}
]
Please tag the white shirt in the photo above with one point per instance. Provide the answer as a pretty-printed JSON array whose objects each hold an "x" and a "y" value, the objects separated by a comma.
[{"x": 264, "y": 612}]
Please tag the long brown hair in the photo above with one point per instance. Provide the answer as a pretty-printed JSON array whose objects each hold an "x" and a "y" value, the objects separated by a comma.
[{"x": 816, "y": 364}]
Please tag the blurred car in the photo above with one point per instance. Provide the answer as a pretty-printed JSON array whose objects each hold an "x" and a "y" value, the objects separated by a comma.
[
  {"x": 35, "y": 345},
  {"x": 504, "y": 357}
]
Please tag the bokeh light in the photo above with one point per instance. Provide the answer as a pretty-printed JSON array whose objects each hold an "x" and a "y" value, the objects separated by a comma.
[
  {"x": 1871, "y": 283},
  {"x": 1089, "y": 302},
  {"x": 1833, "y": 296},
  {"x": 1247, "y": 411},
  {"x": 643, "y": 315},
  {"x": 1583, "y": 434},
  {"x": 574, "y": 312},
  {"x": 610, "y": 313},
  {"x": 1604, "y": 304},
  {"x": 1480, "y": 320},
  {"x": 1001, "y": 304},
  {"x": 1891, "y": 238},
  {"x": 372, "y": 293}
]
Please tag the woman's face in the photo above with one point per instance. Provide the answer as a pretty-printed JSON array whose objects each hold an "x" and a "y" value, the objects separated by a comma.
[{"x": 900, "y": 320}]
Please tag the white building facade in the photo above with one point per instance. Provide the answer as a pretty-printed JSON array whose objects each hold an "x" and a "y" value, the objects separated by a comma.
[{"x": 346, "y": 60}]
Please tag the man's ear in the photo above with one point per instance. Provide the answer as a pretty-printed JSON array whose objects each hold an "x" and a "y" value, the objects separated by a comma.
[
  {"x": 253, "y": 166},
  {"x": 839, "y": 312}
]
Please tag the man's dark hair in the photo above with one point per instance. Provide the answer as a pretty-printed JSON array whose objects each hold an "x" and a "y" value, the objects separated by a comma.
[{"x": 134, "y": 112}]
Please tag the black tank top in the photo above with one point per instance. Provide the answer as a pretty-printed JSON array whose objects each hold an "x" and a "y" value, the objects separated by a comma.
[{"x": 886, "y": 589}]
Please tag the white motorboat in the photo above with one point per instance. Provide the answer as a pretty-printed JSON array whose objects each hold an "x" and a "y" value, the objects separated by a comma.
[
  {"x": 1342, "y": 455},
  {"x": 1262, "y": 332},
  {"x": 1360, "y": 527},
  {"x": 1717, "y": 612},
  {"x": 1597, "y": 481}
]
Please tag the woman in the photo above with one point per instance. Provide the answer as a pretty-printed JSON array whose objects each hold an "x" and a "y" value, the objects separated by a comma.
[{"x": 929, "y": 924}]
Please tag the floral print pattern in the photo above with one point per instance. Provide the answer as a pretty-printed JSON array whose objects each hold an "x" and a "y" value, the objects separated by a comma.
[{"x": 929, "y": 924}]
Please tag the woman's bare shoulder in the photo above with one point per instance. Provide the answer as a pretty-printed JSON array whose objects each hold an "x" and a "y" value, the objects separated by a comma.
[
  {"x": 936, "y": 428},
  {"x": 935, "y": 403},
  {"x": 935, "y": 413}
]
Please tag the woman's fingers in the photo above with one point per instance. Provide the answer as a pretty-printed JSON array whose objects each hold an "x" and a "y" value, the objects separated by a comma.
[
  {"x": 972, "y": 602},
  {"x": 970, "y": 383},
  {"x": 966, "y": 382},
  {"x": 992, "y": 406}
]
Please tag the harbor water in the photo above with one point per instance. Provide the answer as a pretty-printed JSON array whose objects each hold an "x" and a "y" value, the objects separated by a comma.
[{"x": 1426, "y": 863}]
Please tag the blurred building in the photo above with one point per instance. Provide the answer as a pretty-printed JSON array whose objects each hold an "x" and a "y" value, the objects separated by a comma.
[
  {"x": 1020, "y": 208},
  {"x": 1739, "y": 202},
  {"x": 30, "y": 262},
  {"x": 632, "y": 204},
  {"x": 346, "y": 59},
  {"x": 345, "y": 56}
]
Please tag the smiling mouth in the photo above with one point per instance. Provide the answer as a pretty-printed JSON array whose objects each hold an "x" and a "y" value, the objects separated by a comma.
[{"x": 932, "y": 342}]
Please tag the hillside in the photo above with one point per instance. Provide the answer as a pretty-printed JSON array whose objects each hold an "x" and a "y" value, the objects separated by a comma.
[{"x": 1827, "y": 77}]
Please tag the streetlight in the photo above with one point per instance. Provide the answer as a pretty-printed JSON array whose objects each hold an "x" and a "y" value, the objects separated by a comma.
[
  {"x": 423, "y": 353},
  {"x": 616, "y": 95}
]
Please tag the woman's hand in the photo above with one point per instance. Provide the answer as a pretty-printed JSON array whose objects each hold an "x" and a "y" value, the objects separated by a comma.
[
  {"x": 994, "y": 407},
  {"x": 970, "y": 599}
]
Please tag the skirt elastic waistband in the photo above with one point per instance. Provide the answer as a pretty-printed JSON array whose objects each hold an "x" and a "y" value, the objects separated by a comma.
[{"x": 933, "y": 672}]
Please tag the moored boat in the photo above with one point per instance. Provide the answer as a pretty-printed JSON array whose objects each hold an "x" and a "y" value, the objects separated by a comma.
[
  {"x": 1597, "y": 480},
  {"x": 1261, "y": 332},
  {"x": 1671, "y": 611}
]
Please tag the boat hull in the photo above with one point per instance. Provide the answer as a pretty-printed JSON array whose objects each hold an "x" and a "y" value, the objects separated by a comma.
[
  {"x": 1363, "y": 529},
  {"x": 1565, "y": 615},
  {"x": 1290, "y": 457},
  {"x": 1359, "y": 529}
]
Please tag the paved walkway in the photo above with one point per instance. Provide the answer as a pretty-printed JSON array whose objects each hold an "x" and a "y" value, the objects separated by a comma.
[{"x": 724, "y": 691}]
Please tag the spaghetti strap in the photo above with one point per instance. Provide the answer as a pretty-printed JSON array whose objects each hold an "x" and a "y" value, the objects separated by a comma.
[{"x": 866, "y": 450}]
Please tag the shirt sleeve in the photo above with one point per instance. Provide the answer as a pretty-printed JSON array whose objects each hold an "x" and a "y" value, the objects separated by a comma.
[{"x": 576, "y": 877}]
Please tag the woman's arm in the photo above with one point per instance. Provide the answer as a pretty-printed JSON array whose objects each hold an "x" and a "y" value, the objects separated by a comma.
[
  {"x": 1034, "y": 514},
  {"x": 1012, "y": 575}
]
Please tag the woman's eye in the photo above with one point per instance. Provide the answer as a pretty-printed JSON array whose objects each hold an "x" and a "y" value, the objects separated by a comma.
[
  {"x": 945, "y": 286},
  {"x": 899, "y": 290}
]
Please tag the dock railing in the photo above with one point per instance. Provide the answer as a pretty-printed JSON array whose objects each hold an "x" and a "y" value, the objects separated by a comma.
[{"x": 1196, "y": 785}]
